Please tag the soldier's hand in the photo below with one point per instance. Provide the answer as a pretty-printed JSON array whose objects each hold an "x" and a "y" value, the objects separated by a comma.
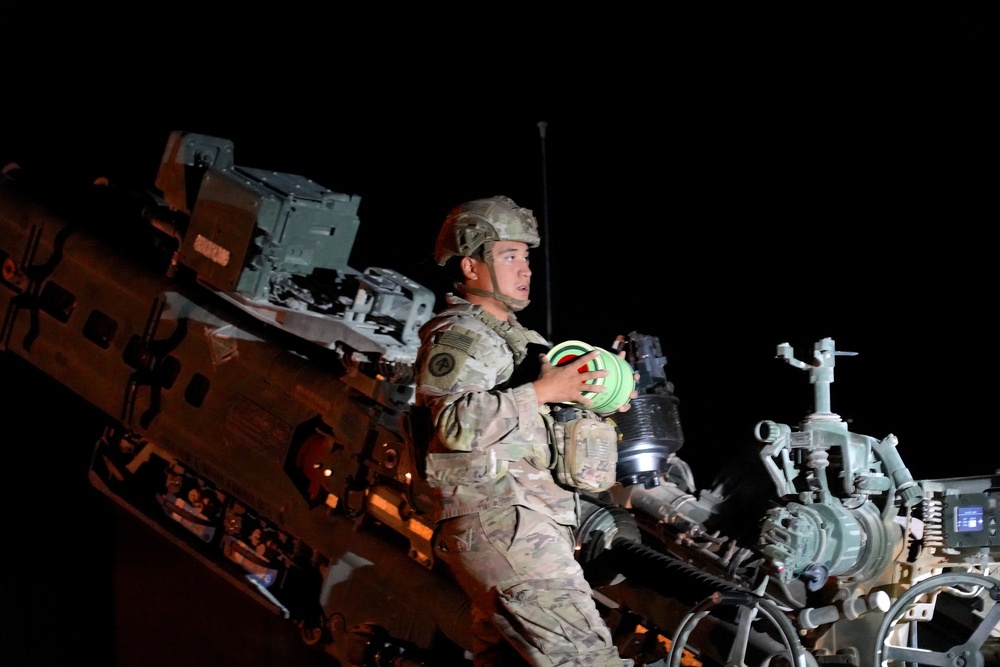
[{"x": 566, "y": 383}]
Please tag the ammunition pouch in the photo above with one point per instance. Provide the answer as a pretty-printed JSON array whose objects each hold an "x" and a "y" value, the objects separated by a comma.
[{"x": 584, "y": 450}]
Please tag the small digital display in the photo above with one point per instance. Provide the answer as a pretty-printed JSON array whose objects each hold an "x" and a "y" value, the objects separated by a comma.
[{"x": 969, "y": 519}]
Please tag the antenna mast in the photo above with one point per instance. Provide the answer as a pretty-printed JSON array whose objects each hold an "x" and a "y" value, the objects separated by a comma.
[{"x": 545, "y": 235}]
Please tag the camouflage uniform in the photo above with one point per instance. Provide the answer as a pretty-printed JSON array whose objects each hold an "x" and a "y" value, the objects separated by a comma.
[{"x": 505, "y": 527}]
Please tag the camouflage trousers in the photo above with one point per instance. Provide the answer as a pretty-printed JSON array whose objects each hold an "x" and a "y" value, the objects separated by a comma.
[{"x": 530, "y": 602}]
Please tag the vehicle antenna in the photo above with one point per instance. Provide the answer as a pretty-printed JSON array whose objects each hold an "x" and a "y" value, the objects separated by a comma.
[{"x": 545, "y": 235}]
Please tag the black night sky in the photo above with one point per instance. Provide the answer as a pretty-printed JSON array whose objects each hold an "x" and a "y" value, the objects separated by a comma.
[{"x": 724, "y": 181}]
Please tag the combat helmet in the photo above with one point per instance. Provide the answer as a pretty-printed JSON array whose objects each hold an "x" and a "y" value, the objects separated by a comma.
[{"x": 472, "y": 228}]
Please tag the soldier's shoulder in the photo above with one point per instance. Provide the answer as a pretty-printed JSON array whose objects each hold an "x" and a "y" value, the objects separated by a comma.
[
  {"x": 461, "y": 320},
  {"x": 460, "y": 349}
]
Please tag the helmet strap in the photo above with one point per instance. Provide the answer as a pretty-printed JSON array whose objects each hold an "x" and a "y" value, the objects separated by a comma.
[{"x": 515, "y": 305}]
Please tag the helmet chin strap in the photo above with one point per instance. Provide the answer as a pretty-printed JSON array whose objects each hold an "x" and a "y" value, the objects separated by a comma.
[{"x": 515, "y": 305}]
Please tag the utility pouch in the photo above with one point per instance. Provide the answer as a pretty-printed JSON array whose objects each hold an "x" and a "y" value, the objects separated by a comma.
[{"x": 584, "y": 452}]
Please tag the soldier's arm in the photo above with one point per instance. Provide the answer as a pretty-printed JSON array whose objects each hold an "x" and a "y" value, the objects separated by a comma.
[{"x": 457, "y": 382}]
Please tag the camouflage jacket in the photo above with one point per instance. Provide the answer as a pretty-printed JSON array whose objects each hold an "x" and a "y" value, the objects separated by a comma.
[{"x": 488, "y": 445}]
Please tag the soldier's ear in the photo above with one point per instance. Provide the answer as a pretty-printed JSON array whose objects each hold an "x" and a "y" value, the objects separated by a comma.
[{"x": 469, "y": 268}]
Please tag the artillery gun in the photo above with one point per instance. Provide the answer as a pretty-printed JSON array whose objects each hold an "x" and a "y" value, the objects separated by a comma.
[{"x": 258, "y": 390}]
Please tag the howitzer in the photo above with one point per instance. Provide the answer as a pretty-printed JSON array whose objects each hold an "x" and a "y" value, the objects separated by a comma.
[{"x": 258, "y": 391}]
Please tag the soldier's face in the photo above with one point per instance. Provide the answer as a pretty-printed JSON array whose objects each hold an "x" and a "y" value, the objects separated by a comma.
[{"x": 513, "y": 273}]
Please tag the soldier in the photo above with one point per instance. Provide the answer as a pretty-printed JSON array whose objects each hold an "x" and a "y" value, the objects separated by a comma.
[{"x": 505, "y": 527}]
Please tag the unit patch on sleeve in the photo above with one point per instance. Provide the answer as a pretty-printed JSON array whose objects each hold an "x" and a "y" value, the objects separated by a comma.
[
  {"x": 449, "y": 355},
  {"x": 441, "y": 364}
]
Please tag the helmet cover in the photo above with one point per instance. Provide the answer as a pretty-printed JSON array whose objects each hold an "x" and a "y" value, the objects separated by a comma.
[{"x": 479, "y": 222}]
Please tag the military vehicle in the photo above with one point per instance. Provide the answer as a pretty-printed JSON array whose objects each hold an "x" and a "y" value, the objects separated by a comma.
[{"x": 258, "y": 392}]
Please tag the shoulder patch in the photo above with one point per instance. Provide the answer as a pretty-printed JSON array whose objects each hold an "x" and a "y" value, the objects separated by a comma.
[
  {"x": 441, "y": 364},
  {"x": 458, "y": 338},
  {"x": 448, "y": 355}
]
